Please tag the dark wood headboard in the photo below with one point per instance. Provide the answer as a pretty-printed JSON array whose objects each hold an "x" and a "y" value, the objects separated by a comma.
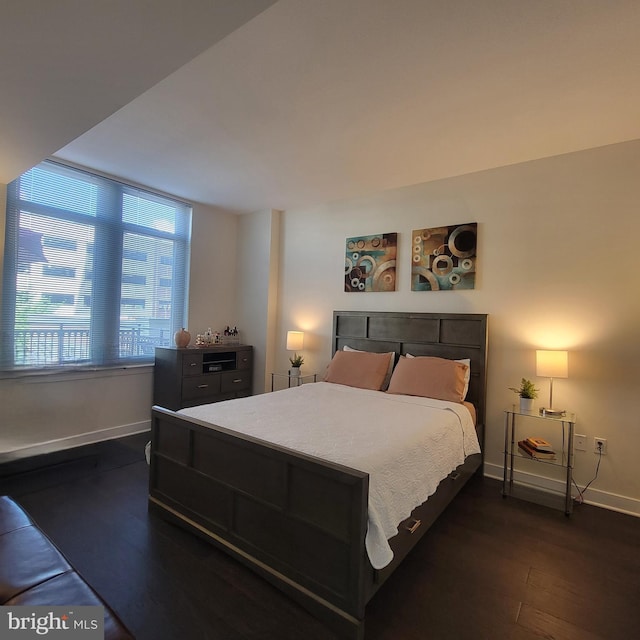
[{"x": 446, "y": 335}]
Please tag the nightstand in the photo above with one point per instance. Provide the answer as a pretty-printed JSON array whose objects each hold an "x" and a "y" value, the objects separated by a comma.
[
  {"x": 518, "y": 425},
  {"x": 293, "y": 381}
]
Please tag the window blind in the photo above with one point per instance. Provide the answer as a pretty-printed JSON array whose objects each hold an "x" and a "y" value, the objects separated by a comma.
[{"x": 95, "y": 270}]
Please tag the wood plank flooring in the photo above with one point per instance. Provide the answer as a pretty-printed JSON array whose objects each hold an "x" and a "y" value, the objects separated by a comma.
[{"x": 490, "y": 568}]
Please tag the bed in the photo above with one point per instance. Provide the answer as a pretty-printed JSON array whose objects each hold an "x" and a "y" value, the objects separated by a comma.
[{"x": 300, "y": 519}]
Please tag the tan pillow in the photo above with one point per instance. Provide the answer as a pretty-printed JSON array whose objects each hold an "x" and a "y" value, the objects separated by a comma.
[
  {"x": 392, "y": 360},
  {"x": 359, "y": 369},
  {"x": 429, "y": 377},
  {"x": 467, "y": 375}
]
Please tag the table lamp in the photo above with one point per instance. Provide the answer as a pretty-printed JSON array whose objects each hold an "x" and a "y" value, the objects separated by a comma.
[
  {"x": 294, "y": 343},
  {"x": 552, "y": 364},
  {"x": 295, "y": 340}
]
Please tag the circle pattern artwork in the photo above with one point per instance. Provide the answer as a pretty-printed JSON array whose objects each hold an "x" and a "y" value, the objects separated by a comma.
[
  {"x": 370, "y": 263},
  {"x": 444, "y": 258}
]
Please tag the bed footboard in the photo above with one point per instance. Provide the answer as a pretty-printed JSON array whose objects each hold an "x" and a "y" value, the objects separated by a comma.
[{"x": 297, "y": 520}]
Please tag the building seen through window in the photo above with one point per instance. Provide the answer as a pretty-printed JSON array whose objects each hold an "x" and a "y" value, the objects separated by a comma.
[{"x": 95, "y": 270}]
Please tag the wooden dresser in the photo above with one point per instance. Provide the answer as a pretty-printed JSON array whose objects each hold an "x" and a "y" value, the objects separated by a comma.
[{"x": 198, "y": 375}]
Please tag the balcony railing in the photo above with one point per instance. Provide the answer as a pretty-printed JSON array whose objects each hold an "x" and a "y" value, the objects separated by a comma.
[{"x": 64, "y": 344}]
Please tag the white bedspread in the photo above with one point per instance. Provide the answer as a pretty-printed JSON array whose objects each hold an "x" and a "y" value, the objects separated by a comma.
[{"x": 406, "y": 444}]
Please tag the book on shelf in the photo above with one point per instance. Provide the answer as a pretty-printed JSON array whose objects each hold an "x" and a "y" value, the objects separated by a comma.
[
  {"x": 524, "y": 445},
  {"x": 539, "y": 444}
]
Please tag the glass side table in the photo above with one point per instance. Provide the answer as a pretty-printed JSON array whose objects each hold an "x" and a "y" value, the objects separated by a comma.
[
  {"x": 562, "y": 428},
  {"x": 293, "y": 381}
]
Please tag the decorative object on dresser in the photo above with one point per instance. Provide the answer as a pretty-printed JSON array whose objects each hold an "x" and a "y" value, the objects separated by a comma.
[
  {"x": 295, "y": 341},
  {"x": 182, "y": 338},
  {"x": 552, "y": 364},
  {"x": 188, "y": 377},
  {"x": 230, "y": 335},
  {"x": 301, "y": 521}
]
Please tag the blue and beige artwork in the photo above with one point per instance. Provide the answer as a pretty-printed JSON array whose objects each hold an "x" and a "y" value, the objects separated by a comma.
[
  {"x": 444, "y": 258},
  {"x": 370, "y": 263}
]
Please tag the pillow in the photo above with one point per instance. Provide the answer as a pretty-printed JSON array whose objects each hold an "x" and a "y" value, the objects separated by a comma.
[
  {"x": 392, "y": 361},
  {"x": 429, "y": 377},
  {"x": 359, "y": 369},
  {"x": 467, "y": 375}
]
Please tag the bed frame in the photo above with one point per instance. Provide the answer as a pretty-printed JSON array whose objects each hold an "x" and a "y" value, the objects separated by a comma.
[{"x": 297, "y": 520}]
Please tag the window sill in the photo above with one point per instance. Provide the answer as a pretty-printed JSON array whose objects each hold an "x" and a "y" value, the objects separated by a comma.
[{"x": 64, "y": 374}]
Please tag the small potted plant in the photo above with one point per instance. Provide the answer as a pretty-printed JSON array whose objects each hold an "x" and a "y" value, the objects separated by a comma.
[
  {"x": 296, "y": 362},
  {"x": 527, "y": 392}
]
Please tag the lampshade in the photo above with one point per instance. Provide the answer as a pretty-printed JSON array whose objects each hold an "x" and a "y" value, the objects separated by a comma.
[
  {"x": 294, "y": 340},
  {"x": 552, "y": 364}
]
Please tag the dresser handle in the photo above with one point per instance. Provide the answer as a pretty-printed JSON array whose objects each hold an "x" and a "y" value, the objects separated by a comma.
[
  {"x": 414, "y": 527},
  {"x": 237, "y": 380},
  {"x": 193, "y": 364},
  {"x": 202, "y": 386}
]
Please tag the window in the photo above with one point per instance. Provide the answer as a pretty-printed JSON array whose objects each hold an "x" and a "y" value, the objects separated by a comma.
[
  {"x": 58, "y": 298},
  {"x": 95, "y": 271},
  {"x": 135, "y": 278},
  {"x": 132, "y": 302},
  {"x": 60, "y": 243},
  {"x": 58, "y": 272},
  {"x": 133, "y": 254}
]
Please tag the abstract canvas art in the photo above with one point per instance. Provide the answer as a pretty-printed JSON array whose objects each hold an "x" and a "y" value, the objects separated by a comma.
[
  {"x": 444, "y": 258},
  {"x": 370, "y": 263}
]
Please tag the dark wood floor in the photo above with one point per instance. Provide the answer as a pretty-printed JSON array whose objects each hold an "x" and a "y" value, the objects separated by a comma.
[{"x": 489, "y": 568}]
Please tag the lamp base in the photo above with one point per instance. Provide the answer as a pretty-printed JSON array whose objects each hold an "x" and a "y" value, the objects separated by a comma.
[{"x": 545, "y": 411}]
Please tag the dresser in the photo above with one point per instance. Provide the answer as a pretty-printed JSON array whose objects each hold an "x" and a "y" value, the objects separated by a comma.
[{"x": 198, "y": 375}]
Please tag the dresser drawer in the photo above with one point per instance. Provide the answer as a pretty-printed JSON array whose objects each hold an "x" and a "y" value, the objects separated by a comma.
[
  {"x": 192, "y": 364},
  {"x": 235, "y": 381},
  {"x": 244, "y": 360},
  {"x": 200, "y": 386}
]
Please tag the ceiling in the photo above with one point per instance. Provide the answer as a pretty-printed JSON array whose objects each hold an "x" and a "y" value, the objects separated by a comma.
[
  {"x": 312, "y": 101},
  {"x": 69, "y": 64}
]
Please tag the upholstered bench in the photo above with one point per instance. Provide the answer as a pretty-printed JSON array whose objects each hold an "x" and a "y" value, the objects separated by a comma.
[{"x": 33, "y": 572}]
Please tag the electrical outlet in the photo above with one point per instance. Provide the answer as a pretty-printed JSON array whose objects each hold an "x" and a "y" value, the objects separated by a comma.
[
  {"x": 600, "y": 445},
  {"x": 579, "y": 442}
]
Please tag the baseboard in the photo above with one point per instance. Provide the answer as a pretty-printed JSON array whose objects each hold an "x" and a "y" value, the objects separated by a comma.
[
  {"x": 595, "y": 497},
  {"x": 71, "y": 442}
]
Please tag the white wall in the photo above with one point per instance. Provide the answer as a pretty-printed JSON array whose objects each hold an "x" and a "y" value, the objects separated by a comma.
[
  {"x": 556, "y": 269},
  {"x": 3, "y": 206},
  {"x": 258, "y": 263},
  {"x": 212, "y": 279},
  {"x": 47, "y": 412}
]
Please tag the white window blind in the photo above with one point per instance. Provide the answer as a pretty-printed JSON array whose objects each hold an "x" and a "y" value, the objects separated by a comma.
[{"x": 95, "y": 271}]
